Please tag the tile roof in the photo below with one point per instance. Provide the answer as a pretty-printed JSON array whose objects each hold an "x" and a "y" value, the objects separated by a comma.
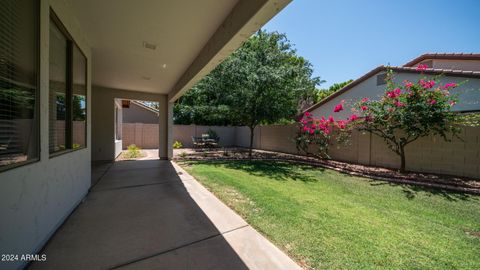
[
  {"x": 434, "y": 71},
  {"x": 448, "y": 56}
]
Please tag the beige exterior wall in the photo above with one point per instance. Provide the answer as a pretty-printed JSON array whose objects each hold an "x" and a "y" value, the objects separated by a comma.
[
  {"x": 468, "y": 92},
  {"x": 103, "y": 129},
  {"x": 36, "y": 198},
  {"x": 470, "y": 65},
  {"x": 137, "y": 114}
]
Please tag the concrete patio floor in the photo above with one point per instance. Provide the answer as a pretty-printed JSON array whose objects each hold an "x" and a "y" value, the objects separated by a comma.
[{"x": 151, "y": 214}]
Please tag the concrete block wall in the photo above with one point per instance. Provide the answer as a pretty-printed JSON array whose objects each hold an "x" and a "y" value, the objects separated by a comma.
[{"x": 430, "y": 154}]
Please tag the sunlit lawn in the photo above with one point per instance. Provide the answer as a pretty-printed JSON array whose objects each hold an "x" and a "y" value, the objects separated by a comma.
[{"x": 326, "y": 219}]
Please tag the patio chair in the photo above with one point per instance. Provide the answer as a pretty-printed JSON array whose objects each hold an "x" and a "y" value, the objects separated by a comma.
[{"x": 197, "y": 142}]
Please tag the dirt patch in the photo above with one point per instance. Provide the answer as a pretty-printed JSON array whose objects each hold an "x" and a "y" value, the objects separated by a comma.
[{"x": 447, "y": 182}]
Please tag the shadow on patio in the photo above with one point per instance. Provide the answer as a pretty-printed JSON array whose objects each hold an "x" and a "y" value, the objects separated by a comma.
[{"x": 149, "y": 214}]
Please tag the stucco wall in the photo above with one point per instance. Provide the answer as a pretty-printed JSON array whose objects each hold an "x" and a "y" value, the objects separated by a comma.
[
  {"x": 469, "y": 94},
  {"x": 137, "y": 114},
  {"x": 103, "y": 128},
  {"x": 36, "y": 198},
  {"x": 471, "y": 65}
]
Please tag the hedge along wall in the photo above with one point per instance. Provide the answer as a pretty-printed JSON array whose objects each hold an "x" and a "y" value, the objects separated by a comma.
[{"x": 429, "y": 154}]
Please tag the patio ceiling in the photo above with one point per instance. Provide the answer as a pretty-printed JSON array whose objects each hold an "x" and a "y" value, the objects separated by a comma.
[{"x": 166, "y": 46}]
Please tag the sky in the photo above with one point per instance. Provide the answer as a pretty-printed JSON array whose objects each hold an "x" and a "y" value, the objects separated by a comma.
[{"x": 344, "y": 39}]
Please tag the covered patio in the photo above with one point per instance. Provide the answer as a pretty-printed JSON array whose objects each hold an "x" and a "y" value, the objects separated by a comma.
[
  {"x": 151, "y": 214},
  {"x": 76, "y": 58}
]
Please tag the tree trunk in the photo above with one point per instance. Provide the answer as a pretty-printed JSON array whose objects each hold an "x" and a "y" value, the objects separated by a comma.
[
  {"x": 252, "y": 129},
  {"x": 402, "y": 159}
]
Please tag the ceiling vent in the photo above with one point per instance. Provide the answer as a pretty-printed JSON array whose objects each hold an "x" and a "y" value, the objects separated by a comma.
[{"x": 150, "y": 46}]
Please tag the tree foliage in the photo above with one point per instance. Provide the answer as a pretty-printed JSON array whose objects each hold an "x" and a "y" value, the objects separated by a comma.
[
  {"x": 262, "y": 82},
  {"x": 323, "y": 93}
]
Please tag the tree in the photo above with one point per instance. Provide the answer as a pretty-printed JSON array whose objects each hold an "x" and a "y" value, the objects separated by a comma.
[
  {"x": 408, "y": 112},
  {"x": 262, "y": 82},
  {"x": 323, "y": 93},
  {"x": 268, "y": 81}
]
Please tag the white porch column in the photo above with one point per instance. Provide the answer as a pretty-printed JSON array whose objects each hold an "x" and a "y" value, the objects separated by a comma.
[
  {"x": 170, "y": 130},
  {"x": 165, "y": 135}
]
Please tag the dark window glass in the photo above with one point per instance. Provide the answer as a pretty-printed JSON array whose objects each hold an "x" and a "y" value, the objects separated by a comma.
[
  {"x": 381, "y": 79},
  {"x": 58, "y": 90},
  {"x": 79, "y": 101},
  {"x": 68, "y": 91},
  {"x": 19, "y": 136}
]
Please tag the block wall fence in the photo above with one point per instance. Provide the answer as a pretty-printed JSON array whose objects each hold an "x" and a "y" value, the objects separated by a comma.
[{"x": 429, "y": 154}]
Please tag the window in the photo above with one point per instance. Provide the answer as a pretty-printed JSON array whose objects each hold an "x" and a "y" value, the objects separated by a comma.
[
  {"x": 19, "y": 125},
  {"x": 381, "y": 79},
  {"x": 68, "y": 88},
  {"x": 79, "y": 99}
]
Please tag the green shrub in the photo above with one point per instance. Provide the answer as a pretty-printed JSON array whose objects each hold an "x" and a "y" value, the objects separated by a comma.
[
  {"x": 133, "y": 151},
  {"x": 177, "y": 145},
  {"x": 212, "y": 134}
]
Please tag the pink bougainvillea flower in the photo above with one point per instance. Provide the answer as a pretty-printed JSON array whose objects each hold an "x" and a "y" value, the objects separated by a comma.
[
  {"x": 399, "y": 104},
  {"x": 422, "y": 67},
  {"x": 365, "y": 99},
  {"x": 407, "y": 84},
  {"x": 312, "y": 131},
  {"x": 432, "y": 102},
  {"x": 338, "y": 107},
  {"x": 452, "y": 102},
  {"x": 449, "y": 85},
  {"x": 427, "y": 84},
  {"x": 364, "y": 108},
  {"x": 331, "y": 119},
  {"x": 394, "y": 93},
  {"x": 307, "y": 114},
  {"x": 342, "y": 124},
  {"x": 353, "y": 117}
]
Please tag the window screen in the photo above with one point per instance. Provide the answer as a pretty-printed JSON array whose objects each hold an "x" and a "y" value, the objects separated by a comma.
[
  {"x": 79, "y": 98},
  {"x": 19, "y": 136},
  {"x": 58, "y": 90}
]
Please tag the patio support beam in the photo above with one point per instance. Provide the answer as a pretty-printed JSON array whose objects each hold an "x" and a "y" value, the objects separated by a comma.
[{"x": 245, "y": 19}]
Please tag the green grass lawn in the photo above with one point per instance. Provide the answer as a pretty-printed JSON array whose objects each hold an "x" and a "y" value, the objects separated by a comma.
[{"x": 326, "y": 219}]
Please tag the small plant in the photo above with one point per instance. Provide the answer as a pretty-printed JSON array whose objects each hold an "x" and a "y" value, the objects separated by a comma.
[
  {"x": 177, "y": 145},
  {"x": 183, "y": 155},
  {"x": 133, "y": 151}
]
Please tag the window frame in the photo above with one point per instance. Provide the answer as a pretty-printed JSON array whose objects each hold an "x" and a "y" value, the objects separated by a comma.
[
  {"x": 71, "y": 43},
  {"x": 37, "y": 116}
]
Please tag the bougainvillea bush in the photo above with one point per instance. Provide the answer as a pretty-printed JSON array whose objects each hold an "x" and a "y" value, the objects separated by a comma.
[
  {"x": 405, "y": 113},
  {"x": 409, "y": 111},
  {"x": 315, "y": 135}
]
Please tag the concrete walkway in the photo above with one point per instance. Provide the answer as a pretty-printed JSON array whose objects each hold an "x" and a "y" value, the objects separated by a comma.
[{"x": 151, "y": 214}]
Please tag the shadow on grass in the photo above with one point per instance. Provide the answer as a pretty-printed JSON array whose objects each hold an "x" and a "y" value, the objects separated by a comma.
[
  {"x": 412, "y": 191},
  {"x": 277, "y": 170}
]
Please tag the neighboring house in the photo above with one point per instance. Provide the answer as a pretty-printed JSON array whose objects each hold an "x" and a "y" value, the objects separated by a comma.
[
  {"x": 454, "y": 68},
  {"x": 427, "y": 154},
  {"x": 137, "y": 112}
]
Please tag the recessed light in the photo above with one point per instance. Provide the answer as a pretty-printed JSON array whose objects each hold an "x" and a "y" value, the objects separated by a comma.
[
  {"x": 164, "y": 66},
  {"x": 150, "y": 46}
]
